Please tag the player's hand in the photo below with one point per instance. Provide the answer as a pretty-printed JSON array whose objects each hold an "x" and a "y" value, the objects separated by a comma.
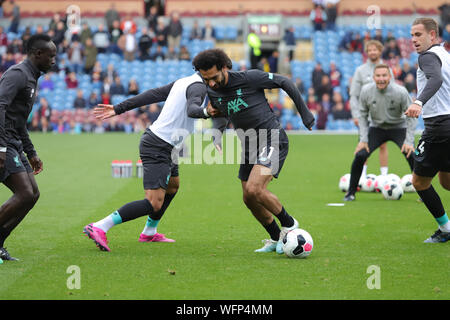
[
  {"x": 413, "y": 111},
  {"x": 407, "y": 149},
  {"x": 36, "y": 164},
  {"x": 104, "y": 111},
  {"x": 213, "y": 112},
  {"x": 356, "y": 121},
  {"x": 362, "y": 145}
]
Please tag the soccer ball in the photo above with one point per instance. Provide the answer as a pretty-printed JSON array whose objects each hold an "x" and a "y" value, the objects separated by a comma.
[
  {"x": 406, "y": 183},
  {"x": 379, "y": 182},
  {"x": 392, "y": 191},
  {"x": 393, "y": 177},
  {"x": 368, "y": 184},
  {"x": 297, "y": 243},
  {"x": 344, "y": 182}
]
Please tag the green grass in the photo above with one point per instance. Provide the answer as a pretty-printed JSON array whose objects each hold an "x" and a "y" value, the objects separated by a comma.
[{"x": 215, "y": 234}]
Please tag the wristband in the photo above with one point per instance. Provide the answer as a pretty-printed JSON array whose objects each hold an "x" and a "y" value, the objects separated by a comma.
[
  {"x": 419, "y": 103},
  {"x": 205, "y": 112},
  {"x": 3, "y": 149}
]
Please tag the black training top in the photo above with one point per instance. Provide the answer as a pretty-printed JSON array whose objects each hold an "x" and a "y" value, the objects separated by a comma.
[
  {"x": 17, "y": 96},
  {"x": 243, "y": 101}
]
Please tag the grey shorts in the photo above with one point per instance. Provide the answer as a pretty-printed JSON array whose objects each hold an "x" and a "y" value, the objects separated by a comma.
[{"x": 156, "y": 156}]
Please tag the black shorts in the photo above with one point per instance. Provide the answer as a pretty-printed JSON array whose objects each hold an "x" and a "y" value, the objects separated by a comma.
[
  {"x": 266, "y": 147},
  {"x": 15, "y": 162},
  {"x": 156, "y": 156},
  {"x": 431, "y": 157}
]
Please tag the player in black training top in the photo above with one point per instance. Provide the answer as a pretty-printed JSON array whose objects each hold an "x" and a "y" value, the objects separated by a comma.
[
  {"x": 239, "y": 97},
  {"x": 17, "y": 96}
]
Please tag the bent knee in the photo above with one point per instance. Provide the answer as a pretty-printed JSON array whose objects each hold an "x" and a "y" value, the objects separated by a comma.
[{"x": 444, "y": 179}]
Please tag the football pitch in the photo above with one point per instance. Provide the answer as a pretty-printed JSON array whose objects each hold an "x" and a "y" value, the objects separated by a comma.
[{"x": 367, "y": 249}]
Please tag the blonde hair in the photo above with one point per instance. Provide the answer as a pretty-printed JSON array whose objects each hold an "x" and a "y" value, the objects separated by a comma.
[{"x": 375, "y": 43}]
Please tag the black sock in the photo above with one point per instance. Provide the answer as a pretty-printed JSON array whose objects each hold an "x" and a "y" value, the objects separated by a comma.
[
  {"x": 273, "y": 230},
  {"x": 4, "y": 233},
  {"x": 285, "y": 219},
  {"x": 432, "y": 201},
  {"x": 135, "y": 210},
  {"x": 167, "y": 200}
]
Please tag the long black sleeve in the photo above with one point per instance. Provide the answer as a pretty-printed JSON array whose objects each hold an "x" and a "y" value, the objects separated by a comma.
[
  {"x": 147, "y": 97},
  {"x": 28, "y": 147},
  {"x": 195, "y": 95},
  {"x": 430, "y": 64}
]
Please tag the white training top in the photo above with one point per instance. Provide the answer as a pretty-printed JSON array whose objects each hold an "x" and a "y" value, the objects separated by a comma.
[
  {"x": 173, "y": 123},
  {"x": 439, "y": 103}
]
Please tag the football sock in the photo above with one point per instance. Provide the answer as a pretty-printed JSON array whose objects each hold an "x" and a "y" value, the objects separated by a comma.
[
  {"x": 108, "y": 222},
  {"x": 167, "y": 200},
  {"x": 150, "y": 227},
  {"x": 135, "y": 209},
  {"x": 444, "y": 223},
  {"x": 285, "y": 219},
  {"x": 384, "y": 171},
  {"x": 273, "y": 230},
  {"x": 3, "y": 235},
  {"x": 364, "y": 172},
  {"x": 434, "y": 204}
]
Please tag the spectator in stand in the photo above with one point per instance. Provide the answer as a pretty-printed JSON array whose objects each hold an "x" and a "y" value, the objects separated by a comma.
[
  {"x": 171, "y": 54},
  {"x": 174, "y": 32},
  {"x": 444, "y": 14},
  {"x": 93, "y": 100},
  {"x": 184, "y": 54},
  {"x": 208, "y": 32},
  {"x": 335, "y": 75},
  {"x": 446, "y": 33},
  {"x": 71, "y": 80},
  {"x": 152, "y": 18},
  {"x": 8, "y": 62},
  {"x": 322, "y": 117},
  {"x": 128, "y": 25},
  {"x": 378, "y": 36},
  {"x": 340, "y": 113},
  {"x": 324, "y": 88},
  {"x": 133, "y": 87},
  {"x": 312, "y": 104},
  {"x": 90, "y": 55},
  {"x": 15, "y": 18},
  {"x": 410, "y": 84},
  {"x": 161, "y": 33},
  {"x": 344, "y": 45},
  {"x": 111, "y": 15},
  {"x": 15, "y": 47},
  {"x": 79, "y": 102},
  {"x": 331, "y": 12},
  {"x": 115, "y": 35},
  {"x": 317, "y": 75},
  {"x": 391, "y": 51},
  {"x": 390, "y": 36},
  {"x": 117, "y": 87},
  {"x": 196, "y": 31},
  {"x": 153, "y": 112},
  {"x": 263, "y": 65},
  {"x": 85, "y": 33},
  {"x": 54, "y": 21},
  {"x": 356, "y": 45},
  {"x": 44, "y": 113},
  {"x": 127, "y": 43},
  {"x": 337, "y": 97},
  {"x": 25, "y": 36},
  {"x": 396, "y": 69},
  {"x": 158, "y": 54},
  {"x": 96, "y": 81},
  {"x": 273, "y": 61},
  {"x": 326, "y": 102},
  {"x": 60, "y": 33},
  {"x": 47, "y": 83},
  {"x": 318, "y": 17},
  {"x": 109, "y": 73},
  {"x": 75, "y": 56},
  {"x": 289, "y": 39},
  {"x": 144, "y": 44},
  {"x": 3, "y": 42},
  {"x": 101, "y": 39}
]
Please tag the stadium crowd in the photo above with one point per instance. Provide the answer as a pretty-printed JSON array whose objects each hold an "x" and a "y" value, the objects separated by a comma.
[{"x": 79, "y": 49}]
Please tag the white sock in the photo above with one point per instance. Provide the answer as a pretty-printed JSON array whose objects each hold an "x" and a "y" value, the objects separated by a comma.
[
  {"x": 445, "y": 227},
  {"x": 150, "y": 227},
  {"x": 364, "y": 172},
  {"x": 110, "y": 221},
  {"x": 384, "y": 171}
]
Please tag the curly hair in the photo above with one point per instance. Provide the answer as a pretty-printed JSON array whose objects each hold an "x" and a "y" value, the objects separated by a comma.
[{"x": 207, "y": 59}]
